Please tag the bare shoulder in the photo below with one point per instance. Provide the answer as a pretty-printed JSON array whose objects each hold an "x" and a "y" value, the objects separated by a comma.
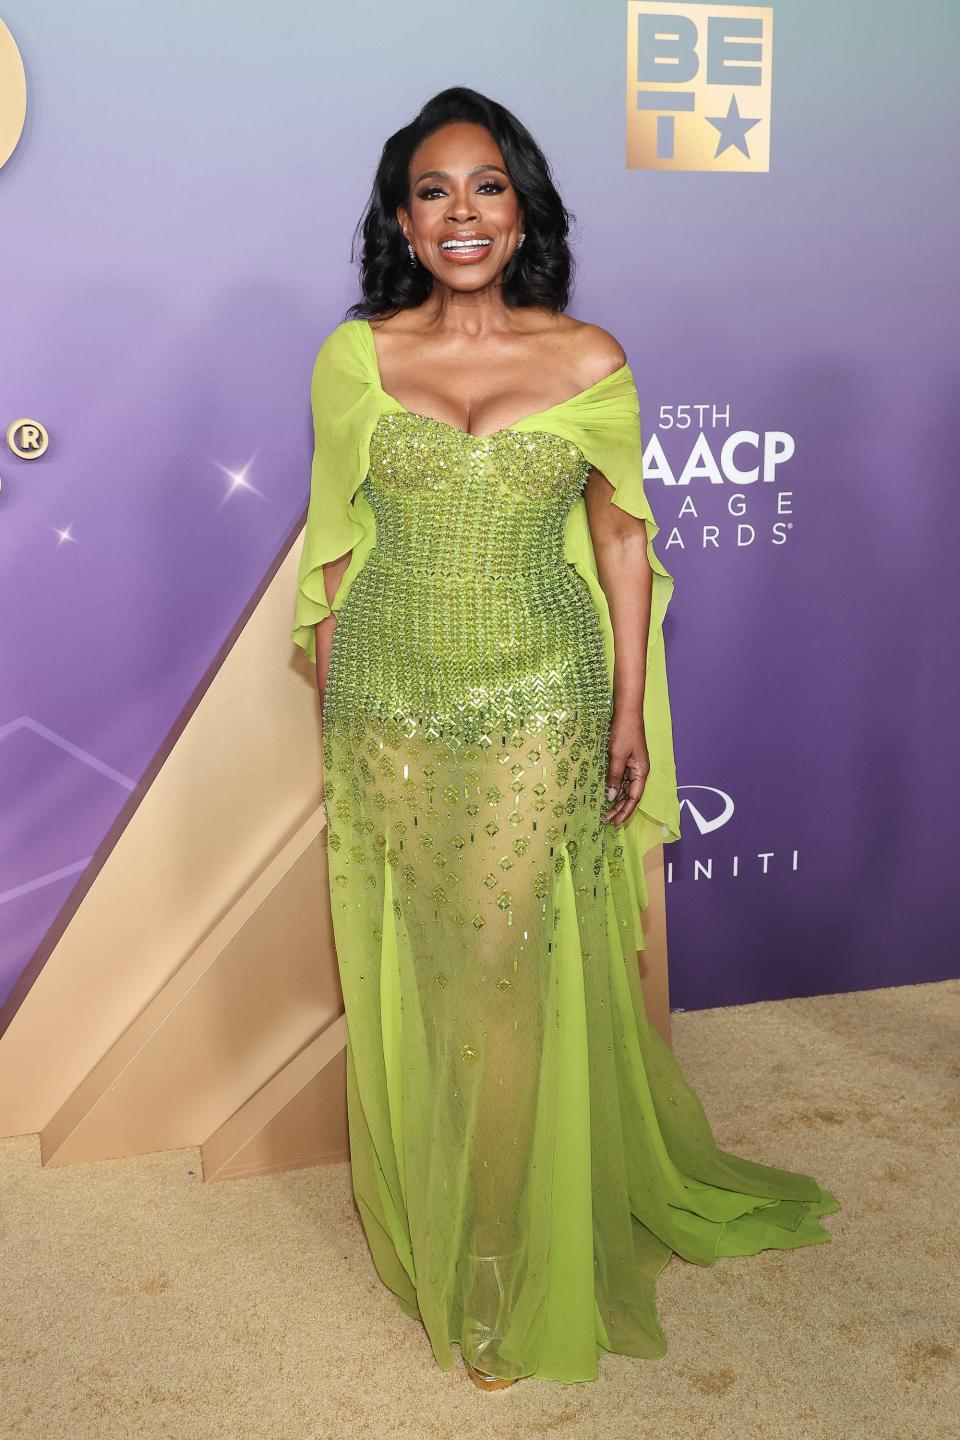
[
  {"x": 593, "y": 352},
  {"x": 599, "y": 352}
]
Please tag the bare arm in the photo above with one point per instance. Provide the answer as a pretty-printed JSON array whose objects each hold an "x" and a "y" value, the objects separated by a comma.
[{"x": 620, "y": 546}]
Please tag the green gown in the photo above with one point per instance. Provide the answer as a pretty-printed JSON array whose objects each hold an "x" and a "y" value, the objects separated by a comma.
[{"x": 526, "y": 1155}]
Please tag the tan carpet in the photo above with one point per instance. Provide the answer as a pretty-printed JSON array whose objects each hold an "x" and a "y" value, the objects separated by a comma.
[{"x": 139, "y": 1302}]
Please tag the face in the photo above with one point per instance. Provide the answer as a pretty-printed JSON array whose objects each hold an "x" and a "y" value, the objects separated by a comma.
[{"x": 459, "y": 187}]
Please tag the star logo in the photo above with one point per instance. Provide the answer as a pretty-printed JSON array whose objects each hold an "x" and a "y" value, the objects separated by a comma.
[{"x": 733, "y": 128}]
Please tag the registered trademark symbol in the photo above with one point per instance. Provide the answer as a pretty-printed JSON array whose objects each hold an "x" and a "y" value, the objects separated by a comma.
[{"x": 27, "y": 438}]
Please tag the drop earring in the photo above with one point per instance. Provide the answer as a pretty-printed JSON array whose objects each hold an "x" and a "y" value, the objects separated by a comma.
[
  {"x": 413, "y": 254},
  {"x": 523, "y": 236}
]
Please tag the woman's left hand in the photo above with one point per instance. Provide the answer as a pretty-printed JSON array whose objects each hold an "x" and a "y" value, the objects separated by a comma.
[{"x": 628, "y": 767}]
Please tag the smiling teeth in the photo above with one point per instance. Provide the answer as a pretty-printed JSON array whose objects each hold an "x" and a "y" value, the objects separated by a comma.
[{"x": 463, "y": 244}]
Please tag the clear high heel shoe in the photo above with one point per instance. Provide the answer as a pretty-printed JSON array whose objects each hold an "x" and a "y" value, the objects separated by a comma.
[
  {"x": 487, "y": 1288},
  {"x": 483, "y": 1381}
]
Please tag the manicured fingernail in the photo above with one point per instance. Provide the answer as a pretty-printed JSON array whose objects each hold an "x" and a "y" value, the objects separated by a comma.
[{"x": 611, "y": 792}]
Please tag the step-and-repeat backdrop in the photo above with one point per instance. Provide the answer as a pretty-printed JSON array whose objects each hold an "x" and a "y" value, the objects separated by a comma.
[{"x": 766, "y": 218}]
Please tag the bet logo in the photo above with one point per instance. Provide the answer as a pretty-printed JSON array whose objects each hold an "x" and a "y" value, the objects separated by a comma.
[{"x": 698, "y": 86}]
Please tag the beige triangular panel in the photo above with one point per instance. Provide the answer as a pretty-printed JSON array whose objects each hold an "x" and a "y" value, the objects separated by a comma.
[
  {"x": 200, "y": 958},
  {"x": 299, "y": 1117}
]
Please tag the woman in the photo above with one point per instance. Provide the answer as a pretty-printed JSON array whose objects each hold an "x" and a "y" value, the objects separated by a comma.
[{"x": 479, "y": 590}]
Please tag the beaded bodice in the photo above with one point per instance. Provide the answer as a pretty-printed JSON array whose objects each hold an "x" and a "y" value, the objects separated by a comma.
[{"x": 452, "y": 504}]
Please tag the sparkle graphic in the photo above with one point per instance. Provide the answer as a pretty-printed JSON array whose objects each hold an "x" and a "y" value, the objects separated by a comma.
[
  {"x": 238, "y": 480},
  {"x": 64, "y": 535},
  {"x": 733, "y": 129}
]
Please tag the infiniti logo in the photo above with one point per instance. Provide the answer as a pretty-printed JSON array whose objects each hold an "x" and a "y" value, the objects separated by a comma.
[{"x": 714, "y": 809}]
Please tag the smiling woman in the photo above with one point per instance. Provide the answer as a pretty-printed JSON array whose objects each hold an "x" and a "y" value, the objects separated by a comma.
[{"x": 484, "y": 603}]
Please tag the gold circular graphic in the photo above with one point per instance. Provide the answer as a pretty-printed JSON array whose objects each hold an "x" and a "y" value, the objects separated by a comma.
[
  {"x": 13, "y": 94},
  {"x": 27, "y": 438}
]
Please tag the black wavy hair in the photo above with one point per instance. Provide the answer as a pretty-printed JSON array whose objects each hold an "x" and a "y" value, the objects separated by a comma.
[{"x": 539, "y": 273}]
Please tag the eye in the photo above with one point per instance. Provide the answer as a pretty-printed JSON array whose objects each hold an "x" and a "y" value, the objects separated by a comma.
[{"x": 488, "y": 185}]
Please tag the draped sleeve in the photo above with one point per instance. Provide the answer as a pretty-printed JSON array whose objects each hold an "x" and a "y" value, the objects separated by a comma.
[
  {"x": 604, "y": 422},
  {"x": 345, "y": 403}
]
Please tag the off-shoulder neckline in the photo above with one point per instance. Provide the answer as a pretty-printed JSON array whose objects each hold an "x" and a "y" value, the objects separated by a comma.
[{"x": 504, "y": 429}]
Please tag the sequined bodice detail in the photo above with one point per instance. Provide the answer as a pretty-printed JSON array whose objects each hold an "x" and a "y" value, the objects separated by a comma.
[
  {"x": 465, "y": 615},
  {"x": 448, "y": 503}
]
